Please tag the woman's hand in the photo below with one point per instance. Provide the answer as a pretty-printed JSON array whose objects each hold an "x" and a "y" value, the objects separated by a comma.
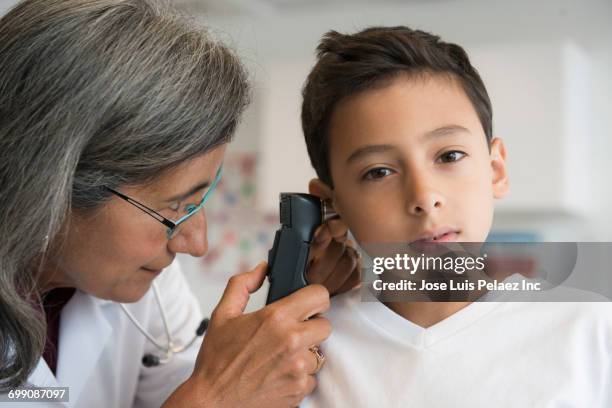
[
  {"x": 334, "y": 262},
  {"x": 258, "y": 359}
]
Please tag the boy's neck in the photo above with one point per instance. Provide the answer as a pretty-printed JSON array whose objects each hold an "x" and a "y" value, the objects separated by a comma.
[{"x": 426, "y": 314}]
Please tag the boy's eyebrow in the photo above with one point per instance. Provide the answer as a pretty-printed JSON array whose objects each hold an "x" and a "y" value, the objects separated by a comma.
[
  {"x": 445, "y": 130},
  {"x": 441, "y": 131},
  {"x": 180, "y": 197},
  {"x": 365, "y": 150}
]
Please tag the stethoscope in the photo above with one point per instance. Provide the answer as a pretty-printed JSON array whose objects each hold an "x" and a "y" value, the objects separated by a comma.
[{"x": 169, "y": 349}]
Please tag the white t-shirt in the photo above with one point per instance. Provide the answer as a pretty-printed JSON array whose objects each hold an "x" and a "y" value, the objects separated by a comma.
[{"x": 489, "y": 354}]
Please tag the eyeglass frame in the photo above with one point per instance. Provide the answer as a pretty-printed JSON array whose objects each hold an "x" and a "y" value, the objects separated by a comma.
[{"x": 172, "y": 225}]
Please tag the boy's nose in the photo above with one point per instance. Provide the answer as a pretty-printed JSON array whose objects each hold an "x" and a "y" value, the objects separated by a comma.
[
  {"x": 191, "y": 238},
  {"x": 423, "y": 200}
]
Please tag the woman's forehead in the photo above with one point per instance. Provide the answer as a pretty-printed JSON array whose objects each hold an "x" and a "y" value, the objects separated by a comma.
[{"x": 183, "y": 177}]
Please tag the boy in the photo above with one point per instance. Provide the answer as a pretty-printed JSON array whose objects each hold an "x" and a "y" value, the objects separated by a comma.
[{"x": 398, "y": 126}]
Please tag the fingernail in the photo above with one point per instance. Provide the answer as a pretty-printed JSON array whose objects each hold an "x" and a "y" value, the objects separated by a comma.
[{"x": 356, "y": 252}]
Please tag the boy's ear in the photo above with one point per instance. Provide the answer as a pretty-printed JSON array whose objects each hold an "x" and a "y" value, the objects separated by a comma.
[
  {"x": 501, "y": 184},
  {"x": 336, "y": 225},
  {"x": 318, "y": 188}
]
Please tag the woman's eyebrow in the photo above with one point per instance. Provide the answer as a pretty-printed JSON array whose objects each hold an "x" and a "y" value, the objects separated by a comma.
[
  {"x": 180, "y": 197},
  {"x": 369, "y": 149}
]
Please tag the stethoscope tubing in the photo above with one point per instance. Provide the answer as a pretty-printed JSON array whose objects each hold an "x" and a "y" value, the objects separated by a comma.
[{"x": 169, "y": 348}]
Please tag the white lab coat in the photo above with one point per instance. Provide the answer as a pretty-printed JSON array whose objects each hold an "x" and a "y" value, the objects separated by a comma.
[{"x": 100, "y": 350}]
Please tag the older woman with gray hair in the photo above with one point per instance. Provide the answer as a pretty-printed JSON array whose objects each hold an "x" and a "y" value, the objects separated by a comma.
[{"x": 114, "y": 120}]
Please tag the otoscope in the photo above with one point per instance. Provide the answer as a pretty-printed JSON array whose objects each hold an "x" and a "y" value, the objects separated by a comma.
[{"x": 300, "y": 215}]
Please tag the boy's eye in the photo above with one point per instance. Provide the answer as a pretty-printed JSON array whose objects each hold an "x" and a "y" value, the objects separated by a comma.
[
  {"x": 452, "y": 156},
  {"x": 175, "y": 206},
  {"x": 377, "y": 173}
]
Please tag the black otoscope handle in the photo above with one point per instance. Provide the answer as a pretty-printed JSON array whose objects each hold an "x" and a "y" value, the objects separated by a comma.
[{"x": 300, "y": 215}]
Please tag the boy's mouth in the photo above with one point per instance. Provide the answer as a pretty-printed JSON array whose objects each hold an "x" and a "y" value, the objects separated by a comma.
[
  {"x": 430, "y": 240},
  {"x": 442, "y": 234}
]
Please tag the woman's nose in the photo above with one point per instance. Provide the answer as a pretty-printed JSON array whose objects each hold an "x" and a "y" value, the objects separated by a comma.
[{"x": 191, "y": 237}]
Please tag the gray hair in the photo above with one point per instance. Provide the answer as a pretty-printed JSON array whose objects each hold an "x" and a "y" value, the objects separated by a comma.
[{"x": 93, "y": 93}]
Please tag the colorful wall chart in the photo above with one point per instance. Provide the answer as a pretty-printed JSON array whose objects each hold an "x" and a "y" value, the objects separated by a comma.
[{"x": 239, "y": 235}]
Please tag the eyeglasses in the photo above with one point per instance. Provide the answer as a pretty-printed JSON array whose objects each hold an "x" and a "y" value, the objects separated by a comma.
[{"x": 191, "y": 209}]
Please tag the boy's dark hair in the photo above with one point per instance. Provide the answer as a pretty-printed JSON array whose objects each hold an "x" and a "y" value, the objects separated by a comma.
[{"x": 349, "y": 64}]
